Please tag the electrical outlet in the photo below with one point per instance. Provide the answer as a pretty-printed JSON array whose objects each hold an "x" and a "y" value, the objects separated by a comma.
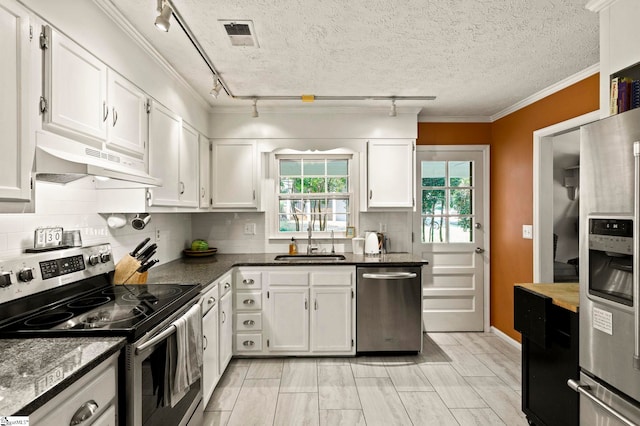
[
  {"x": 382, "y": 227},
  {"x": 527, "y": 232},
  {"x": 250, "y": 229},
  {"x": 157, "y": 234}
]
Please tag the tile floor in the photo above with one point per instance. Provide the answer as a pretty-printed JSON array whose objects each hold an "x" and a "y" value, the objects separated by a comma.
[{"x": 459, "y": 379}]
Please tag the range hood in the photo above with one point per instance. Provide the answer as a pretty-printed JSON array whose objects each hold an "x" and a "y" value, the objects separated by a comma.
[{"x": 61, "y": 160}]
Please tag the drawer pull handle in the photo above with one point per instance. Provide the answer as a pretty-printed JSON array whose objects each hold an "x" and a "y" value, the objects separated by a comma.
[
  {"x": 227, "y": 285},
  {"x": 249, "y": 281},
  {"x": 249, "y": 322},
  {"x": 205, "y": 343},
  {"x": 211, "y": 300},
  {"x": 248, "y": 343},
  {"x": 249, "y": 301},
  {"x": 83, "y": 413}
]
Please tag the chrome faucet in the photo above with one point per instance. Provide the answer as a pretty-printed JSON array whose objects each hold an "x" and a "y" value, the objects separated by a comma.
[
  {"x": 333, "y": 249},
  {"x": 309, "y": 249}
]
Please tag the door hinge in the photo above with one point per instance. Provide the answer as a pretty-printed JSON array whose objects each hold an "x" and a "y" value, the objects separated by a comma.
[
  {"x": 414, "y": 202},
  {"x": 267, "y": 294},
  {"x": 44, "y": 105},
  {"x": 210, "y": 147},
  {"x": 352, "y": 294},
  {"x": 31, "y": 183},
  {"x": 148, "y": 106},
  {"x": 30, "y": 32},
  {"x": 412, "y": 237},
  {"x": 351, "y": 342},
  {"x": 267, "y": 342},
  {"x": 44, "y": 41},
  {"x": 148, "y": 194},
  {"x": 210, "y": 201}
]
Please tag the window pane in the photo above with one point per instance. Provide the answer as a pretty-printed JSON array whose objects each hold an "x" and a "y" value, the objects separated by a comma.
[
  {"x": 290, "y": 185},
  {"x": 433, "y": 173},
  {"x": 314, "y": 167},
  {"x": 290, "y": 167},
  {"x": 291, "y": 206},
  {"x": 460, "y": 230},
  {"x": 315, "y": 185},
  {"x": 433, "y": 229},
  {"x": 433, "y": 201},
  {"x": 338, "y": 184},
  {"x": 290, "y": 223},
  {"x": 460, "y": 201},
  {"x": 339, "y": 205},
  {"x": 337, "y": 167},
  {"x": 460, "y": 173}
]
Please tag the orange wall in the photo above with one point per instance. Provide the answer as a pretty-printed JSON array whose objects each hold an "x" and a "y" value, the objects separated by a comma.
[{"x": 511, "y": 141}]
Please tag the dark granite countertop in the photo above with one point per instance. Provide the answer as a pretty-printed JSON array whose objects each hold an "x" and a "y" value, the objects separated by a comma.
[
  {"x": 33, "y": 371},
  {"x": 205, "y": 270}
]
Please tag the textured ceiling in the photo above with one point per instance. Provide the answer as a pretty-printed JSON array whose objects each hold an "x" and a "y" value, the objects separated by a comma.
[{"x": 477, "y": 56}]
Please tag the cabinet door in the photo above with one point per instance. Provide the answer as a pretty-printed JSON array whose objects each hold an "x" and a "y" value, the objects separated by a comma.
[
  {"x": 234, "y": 174},
  {"x": 165, "y": 130},
  {"x": 127, "y": 122},
  {"x": 205, "y": 173},
  {"x": 288, "y": 319},
  {"x": 17, "y": 149},
  {"x": 331, "y": 319},
  {"x": 210, "y": 344},
  {"x": 189, "y": 150},
  {"x": 76, "y": 88},
  {"x": 226, "y": 330},
  {"x": 390, "y": 170}
]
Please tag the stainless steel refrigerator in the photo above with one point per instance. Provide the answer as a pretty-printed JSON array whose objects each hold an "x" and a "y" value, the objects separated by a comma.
[{"x": 609, "y": 383}]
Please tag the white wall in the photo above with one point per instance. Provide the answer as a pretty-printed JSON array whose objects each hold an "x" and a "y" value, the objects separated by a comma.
[{"x": 566, "y": 153}]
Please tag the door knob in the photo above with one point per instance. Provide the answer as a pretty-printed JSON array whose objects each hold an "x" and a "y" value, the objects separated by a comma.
[{"x": 479, "y": 250}]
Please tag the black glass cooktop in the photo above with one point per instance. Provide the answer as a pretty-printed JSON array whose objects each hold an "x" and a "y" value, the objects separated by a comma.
[{"x": 129, "y": 310}]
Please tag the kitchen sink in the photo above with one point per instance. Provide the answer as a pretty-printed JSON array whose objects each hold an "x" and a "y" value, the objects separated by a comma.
[{"x": 309, "y": 257}]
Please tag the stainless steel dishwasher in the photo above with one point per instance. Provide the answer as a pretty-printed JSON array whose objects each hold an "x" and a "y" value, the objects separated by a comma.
[{"x": 389, "y": 309}]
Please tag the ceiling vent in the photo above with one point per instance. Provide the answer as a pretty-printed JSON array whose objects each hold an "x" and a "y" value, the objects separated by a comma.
[{"x": 241, "y": 33}]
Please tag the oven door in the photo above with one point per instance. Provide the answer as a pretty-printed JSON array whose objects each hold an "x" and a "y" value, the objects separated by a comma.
[{"x": 146, "y": 383}]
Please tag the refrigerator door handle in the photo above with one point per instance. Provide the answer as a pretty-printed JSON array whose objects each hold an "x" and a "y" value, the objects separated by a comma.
[
  {"x": 636, "y": 254},
  {"x": 585, "y": 391}
]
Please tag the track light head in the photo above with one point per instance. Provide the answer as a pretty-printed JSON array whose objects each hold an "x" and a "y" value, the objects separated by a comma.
[
  {"x": 163, "y": 20},
  {"x": 254, "y": 112},
  {"x": 217, "y": 87},
  {"x": 393, "y": 112}
]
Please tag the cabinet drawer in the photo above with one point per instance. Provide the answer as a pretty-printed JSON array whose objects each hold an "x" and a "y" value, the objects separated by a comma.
[
  {"x": 248, "y": 301},
  {"x": 289, "y": 278},
  {"x": 224, "y": 285},
  {"x": 342, "y": 277},
  {"x": 248, "y": 280},
  {"x": 249, "y": 342},
  {"x": 249, "y": 321}
]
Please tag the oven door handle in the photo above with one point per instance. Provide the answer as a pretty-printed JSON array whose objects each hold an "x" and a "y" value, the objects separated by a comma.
[
  {"x": 585, "y": 391},
  {"x": 636, "y": 257},
  {"x": 158, "y": 338}
]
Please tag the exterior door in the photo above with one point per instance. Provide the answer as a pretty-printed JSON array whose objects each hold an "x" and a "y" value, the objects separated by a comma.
[{"x": 449, "y": 231}]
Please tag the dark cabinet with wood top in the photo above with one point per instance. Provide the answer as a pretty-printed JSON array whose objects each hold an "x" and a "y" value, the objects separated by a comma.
[{"x": 549, "y": 358}]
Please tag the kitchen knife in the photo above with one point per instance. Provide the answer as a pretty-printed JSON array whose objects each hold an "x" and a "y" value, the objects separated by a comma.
[
  {"x": 146, "y": 251},
  {"x": 139, "y": 247},
  {"x": 146, "y": 257},
  {"x": 145, "y": 267}
]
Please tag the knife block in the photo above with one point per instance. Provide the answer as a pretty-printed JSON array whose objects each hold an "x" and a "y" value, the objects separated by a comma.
[{"x": 126, "y": 272}]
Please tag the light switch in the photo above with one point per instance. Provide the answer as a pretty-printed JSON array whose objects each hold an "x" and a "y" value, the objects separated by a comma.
[
  {"x": 527, "y": 232},
  {"x": 250, "y": 229}
]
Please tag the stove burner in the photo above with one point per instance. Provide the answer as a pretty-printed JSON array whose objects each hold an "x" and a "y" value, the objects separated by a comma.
[
  {"x": 89, "y": 302},
  {"x": 48, "y": 319},
  {"x": 104, "y": 318}
]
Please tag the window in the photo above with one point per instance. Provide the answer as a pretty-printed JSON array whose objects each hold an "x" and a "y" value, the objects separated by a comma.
[
  {"x": 447, "y": 201},
  {"x": 314, "y": 191}
]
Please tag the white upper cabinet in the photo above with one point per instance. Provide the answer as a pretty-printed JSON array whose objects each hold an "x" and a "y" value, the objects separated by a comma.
[
  {"x": 127, "y": 122},
  {"x": 75, "y": 84},
  {"x": 165, "y": 131},
  {"x": 188, "y": 185},
  {"x": 17, "y": 148},
  {"x": 234, "y": 173},
  {"x": 390, "y": 173},
  {"x": 205, "y": 173}
]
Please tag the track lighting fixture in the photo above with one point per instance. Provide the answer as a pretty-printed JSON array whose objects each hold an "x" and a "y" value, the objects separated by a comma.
[
  {"x": 393, "y": 111},
  {"x": 162, "y": 21},
  {"x": 254, "y": 112},
  {"x": 217, "y": 87}
]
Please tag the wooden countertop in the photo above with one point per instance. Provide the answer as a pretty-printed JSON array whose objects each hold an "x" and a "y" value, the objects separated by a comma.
[{"x": 564, "y": 295}]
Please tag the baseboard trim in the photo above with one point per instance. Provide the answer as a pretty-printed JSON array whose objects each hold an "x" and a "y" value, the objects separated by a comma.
[{"x": 506, "y": 338}]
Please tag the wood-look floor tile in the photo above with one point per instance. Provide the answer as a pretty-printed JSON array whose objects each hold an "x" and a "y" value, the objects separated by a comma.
[
  {"x": 406, "y": 376},
  {"x": 426, "y": 408},
  {"x": 297, "y": 409},
  {"x": 381, "y": 404},
  {"x": 256, "y": 404},
  {"x": 501, "y": 398},
  {"x": 505, "y": 348},
  {"x": 227, "y": 390},
  {"x": 334, "y": 361},
  {"x": 265, "y": 369},
  {"x": 216, "y": 418},
  {"x": 476, "y": 417},
  {"x": 299, "y": 375},
  {"x": 476, "y": 343},
  {"x": 466, "y": 363},
  {"x": 431, "y": 352},
  {"x": 368, "y": 367},
  {"x": 342, "y": 418},
  {"x": 443, "y": 338},
  {"x": 241, "y": 361},
  {"x": 503, "y": 367},
  {"x": 452, "y": 388},
  {"x": 337, "y": 388}
]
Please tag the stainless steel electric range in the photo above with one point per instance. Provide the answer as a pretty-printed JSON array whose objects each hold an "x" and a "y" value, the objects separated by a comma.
[{"x": 69, "y": 292}]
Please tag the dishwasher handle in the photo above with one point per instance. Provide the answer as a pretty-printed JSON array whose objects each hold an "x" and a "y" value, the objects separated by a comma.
[
  {"x": 586, "y": 391},
  {"x": 390, "y": 275}
]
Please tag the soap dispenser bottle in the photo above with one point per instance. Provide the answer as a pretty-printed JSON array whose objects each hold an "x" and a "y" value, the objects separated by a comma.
[{"x": 293, "y": 247}]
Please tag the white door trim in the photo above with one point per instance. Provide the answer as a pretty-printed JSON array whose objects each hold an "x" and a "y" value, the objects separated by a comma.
[
  {"x": 542, "y": 178},
  {"x": 486, "y": 212}
]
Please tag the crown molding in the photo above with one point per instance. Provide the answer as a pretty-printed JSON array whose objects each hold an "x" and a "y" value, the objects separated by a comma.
[
  {"x": 453, "y": 119},
  {"x": 598, "y": 5}
]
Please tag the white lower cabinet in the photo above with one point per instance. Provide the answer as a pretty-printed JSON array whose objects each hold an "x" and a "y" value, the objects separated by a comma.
[
  {"x": 288, "y": 318},
  {"x": 226, "y": 322},
  {"x": 210, "y": 343},
  {"x": 331, "y": 319}
]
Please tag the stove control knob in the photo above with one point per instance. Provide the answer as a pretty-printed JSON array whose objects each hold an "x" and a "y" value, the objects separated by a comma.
[
  {"x": 5, "y": 279},
  {"x": 25, "y": 275},
  {"x": 105, "y": 257},
  {"x": 94, "y": 259}
]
